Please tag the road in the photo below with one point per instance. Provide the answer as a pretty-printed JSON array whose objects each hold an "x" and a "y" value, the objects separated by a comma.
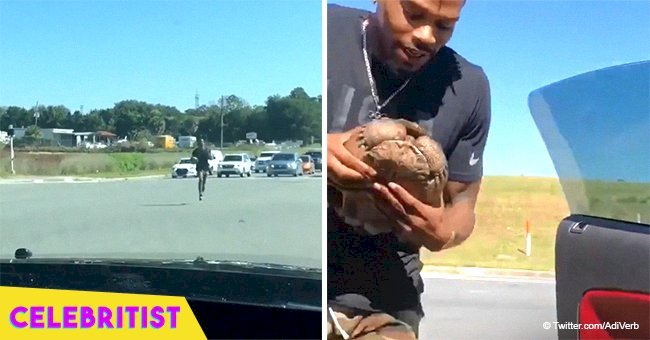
[
  {"x": 255, "y": 219},
  {"x": 461, "y": 308}
]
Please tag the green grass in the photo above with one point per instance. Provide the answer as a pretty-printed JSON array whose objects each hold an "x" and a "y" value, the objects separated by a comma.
[
  {"x": 88, "y": 164},
  {"x": 498, "y": 240},
  {"x": 616, "y": 200},
  {"x": 105, "y": 164}
]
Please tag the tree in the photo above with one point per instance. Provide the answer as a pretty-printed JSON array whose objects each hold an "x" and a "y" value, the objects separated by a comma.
[
  {"x": 156, "y": 122},
  {"x": 53, "y": 116},
  {"x": 33, "y": 135},
  {"x": 189, "y": 126},
  {"x": 17, "y": 116},
  {"x": 295, "y": 116},
  {"x": 298, "y": 93},
  {"x": 93, "y": 122}
]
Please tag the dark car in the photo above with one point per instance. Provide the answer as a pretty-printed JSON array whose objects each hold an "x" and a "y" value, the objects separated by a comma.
[
  {"x": 284, "y": 163},
  {"x": 596, "y": 127},
  {"x": 317, "y": 156}
]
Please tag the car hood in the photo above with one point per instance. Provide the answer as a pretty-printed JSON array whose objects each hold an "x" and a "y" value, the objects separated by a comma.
[
  {"x": 184, "y": 166},
  {"x": 231, "y": 162},
  {"x": 231, "y": 259}
]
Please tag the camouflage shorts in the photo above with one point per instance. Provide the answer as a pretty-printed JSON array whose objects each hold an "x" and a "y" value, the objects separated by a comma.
[{"x": 372, "y": 326}]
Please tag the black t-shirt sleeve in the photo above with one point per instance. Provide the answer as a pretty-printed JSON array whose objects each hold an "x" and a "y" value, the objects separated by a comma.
[{"x": 466, "y": 161}]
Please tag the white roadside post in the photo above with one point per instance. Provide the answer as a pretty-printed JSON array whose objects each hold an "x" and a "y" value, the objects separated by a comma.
[
  {"x": 528, "y": 239},
  {"x": 11, "y": 148}
]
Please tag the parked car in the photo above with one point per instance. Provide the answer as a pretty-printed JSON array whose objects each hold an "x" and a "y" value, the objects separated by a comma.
[
  {"x": 184, "y": 168},
  {"x": 596, "y": 127},
  {"x": 217, "y": 156},
  {"x": 318, "y": 158},
  {"x": 308, "y": 166},
  {"x": 235, "y": 164},
  {"x": 284, "y": 163},
  {"x": 262, "y": 161}
]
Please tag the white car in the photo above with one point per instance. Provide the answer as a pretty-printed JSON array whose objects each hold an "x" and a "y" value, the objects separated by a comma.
[
  {"x": 217, "y": 156},
  {"x": 184, "y": 168},
  {"x": 262, "y": 161},
  {"x": 235, "y": 164}
]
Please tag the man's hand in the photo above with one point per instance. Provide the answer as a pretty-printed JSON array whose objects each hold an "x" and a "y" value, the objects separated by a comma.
[
  {"x": 422, "y": 222},
  {"x": 344, "y": 170},
  {"x": 435, "y": 228}
]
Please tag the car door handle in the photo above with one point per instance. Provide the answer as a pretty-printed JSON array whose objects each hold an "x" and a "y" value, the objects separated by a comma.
[{"x": 578, "y": 228}]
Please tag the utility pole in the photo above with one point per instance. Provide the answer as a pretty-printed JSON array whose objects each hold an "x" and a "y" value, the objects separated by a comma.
[
  {"x": 221, "y": 146},
  {"x": 36, "y": 115}
]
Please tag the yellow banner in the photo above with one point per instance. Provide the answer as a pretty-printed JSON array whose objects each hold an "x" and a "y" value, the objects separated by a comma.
[{"x": 29, "y": 313}]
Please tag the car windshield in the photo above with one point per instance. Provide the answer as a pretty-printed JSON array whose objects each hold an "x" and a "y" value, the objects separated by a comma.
[
  {"x": 315, "y": 154},
  {"x": 283, "y": 157},
  {"x": 304, "y": 158},
  {"x": 602, "y": 162},
  {"x": 127, "y": 90},
  {"x": 267, "y": 154},
  {"x": 232, "y": 158}
]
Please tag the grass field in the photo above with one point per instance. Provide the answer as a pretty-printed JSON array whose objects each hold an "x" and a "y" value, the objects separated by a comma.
[
  {"x": 498, "y": 240},
  {"x": 102, "y": 164}
]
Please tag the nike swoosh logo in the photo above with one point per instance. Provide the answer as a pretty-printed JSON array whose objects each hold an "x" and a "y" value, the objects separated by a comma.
[{"x": 472, "y": 160}]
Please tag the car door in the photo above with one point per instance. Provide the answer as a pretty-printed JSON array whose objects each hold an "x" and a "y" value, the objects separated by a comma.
[{"x": 596, "y": 127}]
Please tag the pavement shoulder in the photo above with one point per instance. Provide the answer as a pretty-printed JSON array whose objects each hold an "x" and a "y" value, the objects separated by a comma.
[
  {"x": 70, "y": 179},
  {"x": 488, "y": 272}
]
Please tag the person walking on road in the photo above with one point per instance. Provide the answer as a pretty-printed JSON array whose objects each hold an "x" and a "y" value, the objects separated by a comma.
[{"x": 201, "y": 156}]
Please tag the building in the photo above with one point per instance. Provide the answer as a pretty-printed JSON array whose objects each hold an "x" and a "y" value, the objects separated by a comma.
[
  {"x": 59, "y": 137},
  {"x": 69, "y": 138},
  {"x": 186, "y": 141}
]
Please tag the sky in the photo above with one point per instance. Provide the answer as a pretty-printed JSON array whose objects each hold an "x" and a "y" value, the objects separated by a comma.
[
  {"x": 525, "y": 45},
  {"x": 97, "y": 53}
]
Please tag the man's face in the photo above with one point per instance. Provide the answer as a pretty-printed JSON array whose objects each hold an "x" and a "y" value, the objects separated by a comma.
[{"x": 413, "y": 31}]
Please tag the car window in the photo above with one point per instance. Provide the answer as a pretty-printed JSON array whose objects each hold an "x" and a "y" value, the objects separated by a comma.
[
  {"x": 232, "y": 158},
  {"x": 267, "y": 154},
  {"x": 604, "y": 163},
  {"x": 283, "y": 157}
]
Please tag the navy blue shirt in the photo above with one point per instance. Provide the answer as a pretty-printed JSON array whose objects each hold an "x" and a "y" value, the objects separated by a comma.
[
  {"x": 203, "y": 156},
  {"x": 449, "y": 98}
]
